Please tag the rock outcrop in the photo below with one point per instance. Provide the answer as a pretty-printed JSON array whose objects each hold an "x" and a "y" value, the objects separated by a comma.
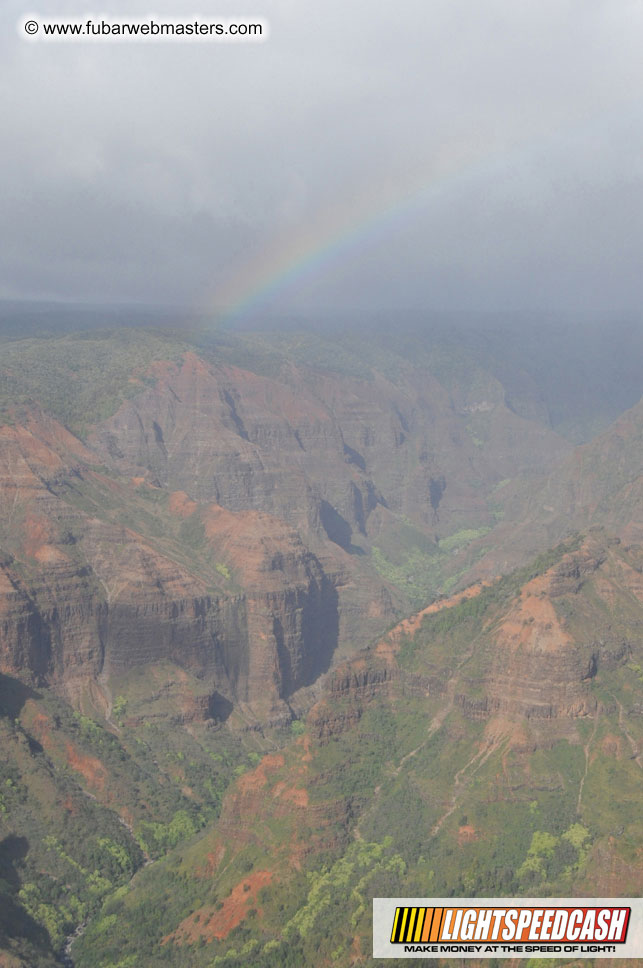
[
  {"x": 83, "y": 598},
  {"x": 221, "y": 520},
  {"x": 535, "y": 658},
  {"x": 319, "y": 450}
]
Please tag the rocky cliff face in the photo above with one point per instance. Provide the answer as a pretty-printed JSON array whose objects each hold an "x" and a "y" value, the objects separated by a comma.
[
  {"x": 219, "y": 520},
  {"x": 321, "y": 451},
  {"x": 83, "y": 598},
  {"x": 531, "y": 660},
  {"x": 493, "y": 741},
  {"x": 209, "y": 551},
  {"x": 539, "y": 669},
  {"x": 222, "y": 520},
  {"x": 291, "y": 605},
  {"x": 561, "y": 631}
]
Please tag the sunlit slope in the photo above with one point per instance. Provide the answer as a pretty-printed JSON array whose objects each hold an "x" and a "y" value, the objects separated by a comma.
[{"x": 494, "y": 749}]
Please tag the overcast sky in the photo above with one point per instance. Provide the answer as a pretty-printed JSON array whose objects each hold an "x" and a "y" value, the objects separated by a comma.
[{"x": 423, "y": 154}]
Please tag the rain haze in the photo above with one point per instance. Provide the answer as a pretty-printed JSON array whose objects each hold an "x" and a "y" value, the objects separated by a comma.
[{"x": 443, "y": 154}]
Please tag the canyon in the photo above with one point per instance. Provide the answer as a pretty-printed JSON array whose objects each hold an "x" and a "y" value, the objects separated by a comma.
[{"x": 280, "y": 618}]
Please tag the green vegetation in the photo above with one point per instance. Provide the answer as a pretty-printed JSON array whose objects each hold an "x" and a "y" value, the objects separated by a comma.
[
  {"x": 81, "y": 378},
  {"x": 416, "y": 573},
  {"x": 550, "y": 856},
  {"x": 406, "y": 790},
  {"x": 417, "y": 566},
  {"x": 62, "y": 851},
  {"x": 411, "y": 795},
  {"x": 157, "y": 838},
  {"x": 462, "y": 538},
  {"x": 64, "y": 858}
]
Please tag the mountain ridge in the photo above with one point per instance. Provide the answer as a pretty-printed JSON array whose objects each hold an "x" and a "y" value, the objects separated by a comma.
[
  {"x": 199, "y": 563},
  {"x": 407, "y": 779}
]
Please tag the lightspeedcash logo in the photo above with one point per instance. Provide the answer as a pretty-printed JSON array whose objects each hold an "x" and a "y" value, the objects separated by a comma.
[{"x": 507, "y": 927}]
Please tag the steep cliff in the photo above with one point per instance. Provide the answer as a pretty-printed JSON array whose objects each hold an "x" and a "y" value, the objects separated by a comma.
[
  {"x": 84, "y": 598},
  {"x": 207, "y": 576},
  {"x": 320, "y": 450},
  {"x": 241, "y": 526}
]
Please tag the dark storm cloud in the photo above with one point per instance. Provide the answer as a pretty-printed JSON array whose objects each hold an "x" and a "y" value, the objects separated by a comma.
[{"x": 159, "y": 172}]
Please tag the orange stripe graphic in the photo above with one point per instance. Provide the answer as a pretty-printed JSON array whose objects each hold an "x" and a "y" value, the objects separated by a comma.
[
  {"x": 438, "y": 918},
  {"x": 428, "y": 921}
]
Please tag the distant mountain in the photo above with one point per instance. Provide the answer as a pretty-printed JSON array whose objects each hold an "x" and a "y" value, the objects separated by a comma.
[{"x": 600, "y": 484}]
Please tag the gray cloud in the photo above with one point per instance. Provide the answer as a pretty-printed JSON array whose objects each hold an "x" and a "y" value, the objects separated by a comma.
[{"x": 161, "y": 172}]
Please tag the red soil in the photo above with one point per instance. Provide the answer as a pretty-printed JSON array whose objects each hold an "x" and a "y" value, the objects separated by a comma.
[
  {"x": 181, "y": 505},
  {"x": 88, "y": 766},
  {"x": 466, "y": 834},
  {"x": 257, "y": 779},
  {"x": 533, "y": 620},
  {"x": 209, "y": 923}
]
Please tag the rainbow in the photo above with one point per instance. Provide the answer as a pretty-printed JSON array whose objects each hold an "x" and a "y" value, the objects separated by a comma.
[
  {"x": 332, "y": 233},
  {"x": 364, "y": 218}
]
